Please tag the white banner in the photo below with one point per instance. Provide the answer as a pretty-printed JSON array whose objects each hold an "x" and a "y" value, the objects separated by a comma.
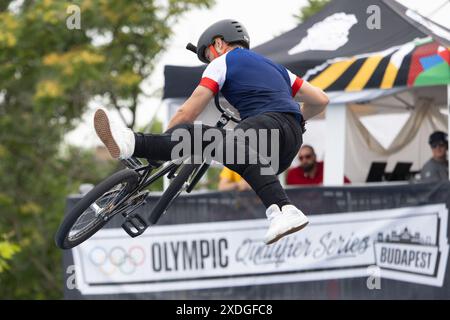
[{"x": 407, "y": 244}]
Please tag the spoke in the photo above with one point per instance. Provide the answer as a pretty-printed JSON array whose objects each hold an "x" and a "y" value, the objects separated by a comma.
[
  {"x": 82, "y": 222},
  {"x": 93, "y": 213}
]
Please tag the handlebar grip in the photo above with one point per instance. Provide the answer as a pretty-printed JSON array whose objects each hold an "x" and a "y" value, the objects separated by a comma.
[{"x": 191, "y": 47}]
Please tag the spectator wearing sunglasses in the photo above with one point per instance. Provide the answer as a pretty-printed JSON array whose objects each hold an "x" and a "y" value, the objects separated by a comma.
[
  {"x": 310, "y": 171},
  {"x": 436, "y": 169}
]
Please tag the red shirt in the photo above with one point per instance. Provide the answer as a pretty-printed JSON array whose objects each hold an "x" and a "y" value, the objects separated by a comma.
[{"x": 297, "y": 176}]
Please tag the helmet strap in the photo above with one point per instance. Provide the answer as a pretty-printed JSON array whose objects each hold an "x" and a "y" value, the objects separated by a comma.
[{"x": 213, "y": 51}]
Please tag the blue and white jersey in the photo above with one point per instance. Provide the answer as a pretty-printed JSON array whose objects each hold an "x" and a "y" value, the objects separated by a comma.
[{"x": 252, "y": 83}]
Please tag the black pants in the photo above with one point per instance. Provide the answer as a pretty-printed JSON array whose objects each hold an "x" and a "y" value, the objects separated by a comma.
[{"x": 267, "y": 185}]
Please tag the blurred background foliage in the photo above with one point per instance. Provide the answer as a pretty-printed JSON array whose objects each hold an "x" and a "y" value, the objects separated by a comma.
[
  {"x": 310, "y": 9},
  {"x": 48, "y": 74}
]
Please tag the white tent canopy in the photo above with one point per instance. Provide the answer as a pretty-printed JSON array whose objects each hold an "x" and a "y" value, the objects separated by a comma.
[{"x": 426, "y": 108}]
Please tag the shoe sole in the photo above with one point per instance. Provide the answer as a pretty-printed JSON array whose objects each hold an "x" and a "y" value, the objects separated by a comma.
[
  {"x": 288, "y": 232},
  {"x": 103, "y": 129}
]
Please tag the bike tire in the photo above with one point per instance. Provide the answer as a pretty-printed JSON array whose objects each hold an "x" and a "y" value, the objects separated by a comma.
[
  {"x": 171, "y": 192},
  {"x": 130, "y": 177}
]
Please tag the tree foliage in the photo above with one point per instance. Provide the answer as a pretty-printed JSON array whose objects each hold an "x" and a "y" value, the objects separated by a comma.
[
  {"x": 48, "y": 74},
  {"x": 313, "y": 7}
]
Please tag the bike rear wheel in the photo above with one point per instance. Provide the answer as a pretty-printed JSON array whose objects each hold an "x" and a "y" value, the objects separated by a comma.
[{"x": 95, "y": 209}]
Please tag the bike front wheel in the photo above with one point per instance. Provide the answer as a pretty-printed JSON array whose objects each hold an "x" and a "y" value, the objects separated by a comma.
[{"x": 95, "y": 209}]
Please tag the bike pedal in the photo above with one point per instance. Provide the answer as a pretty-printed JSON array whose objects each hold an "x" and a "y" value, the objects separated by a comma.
[{"x": 134, "y": 226}]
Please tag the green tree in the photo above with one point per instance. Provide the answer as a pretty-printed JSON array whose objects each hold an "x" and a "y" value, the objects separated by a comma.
[
  {"x": 7, "y": 251},
  {"x": 313, "y": 7},
  {"x": 48, "y": 73}
]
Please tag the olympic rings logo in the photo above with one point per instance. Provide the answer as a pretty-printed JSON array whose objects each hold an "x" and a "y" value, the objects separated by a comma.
[{"x": 117, "y": 259}]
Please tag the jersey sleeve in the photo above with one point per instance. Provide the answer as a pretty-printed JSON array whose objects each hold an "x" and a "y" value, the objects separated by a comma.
[
  {"x": 296, "y": 82},
  {"x": 213, "y": 77}
]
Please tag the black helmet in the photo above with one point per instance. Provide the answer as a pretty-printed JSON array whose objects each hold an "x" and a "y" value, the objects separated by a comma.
[
  {"x": 438, "y": 136},
  {"x": 229, "y": 30}
]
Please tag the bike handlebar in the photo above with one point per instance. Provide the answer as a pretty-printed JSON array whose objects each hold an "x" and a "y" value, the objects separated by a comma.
[
  {"x": 191, "y": 47},
  {"x": 228, "y": 113}
]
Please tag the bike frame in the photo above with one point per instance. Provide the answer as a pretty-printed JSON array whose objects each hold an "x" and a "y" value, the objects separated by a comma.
[{"x": 170, "y": 167}]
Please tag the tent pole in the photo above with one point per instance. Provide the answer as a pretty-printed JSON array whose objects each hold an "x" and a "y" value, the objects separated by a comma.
[
  {"x": 448, "y": 117},
  {"x": 335, "y": 125},
  {"x": 170, "y": 106}
]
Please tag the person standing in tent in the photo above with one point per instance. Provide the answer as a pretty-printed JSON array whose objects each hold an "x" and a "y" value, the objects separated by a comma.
[
  {"x": 262, "y": 91},
  {"x": 436, "y": 169}
]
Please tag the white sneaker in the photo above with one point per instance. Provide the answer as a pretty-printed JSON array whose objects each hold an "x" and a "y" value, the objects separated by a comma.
[
  {"x": 118, "y": 139},
  {"x": 283, "y": 222}
]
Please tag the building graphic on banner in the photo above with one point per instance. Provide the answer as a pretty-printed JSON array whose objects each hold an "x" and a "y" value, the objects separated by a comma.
[{"x": 407, "y": 252}]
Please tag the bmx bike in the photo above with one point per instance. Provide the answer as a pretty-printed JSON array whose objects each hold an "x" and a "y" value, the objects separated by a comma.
[{"x": 125, "y": 191}]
